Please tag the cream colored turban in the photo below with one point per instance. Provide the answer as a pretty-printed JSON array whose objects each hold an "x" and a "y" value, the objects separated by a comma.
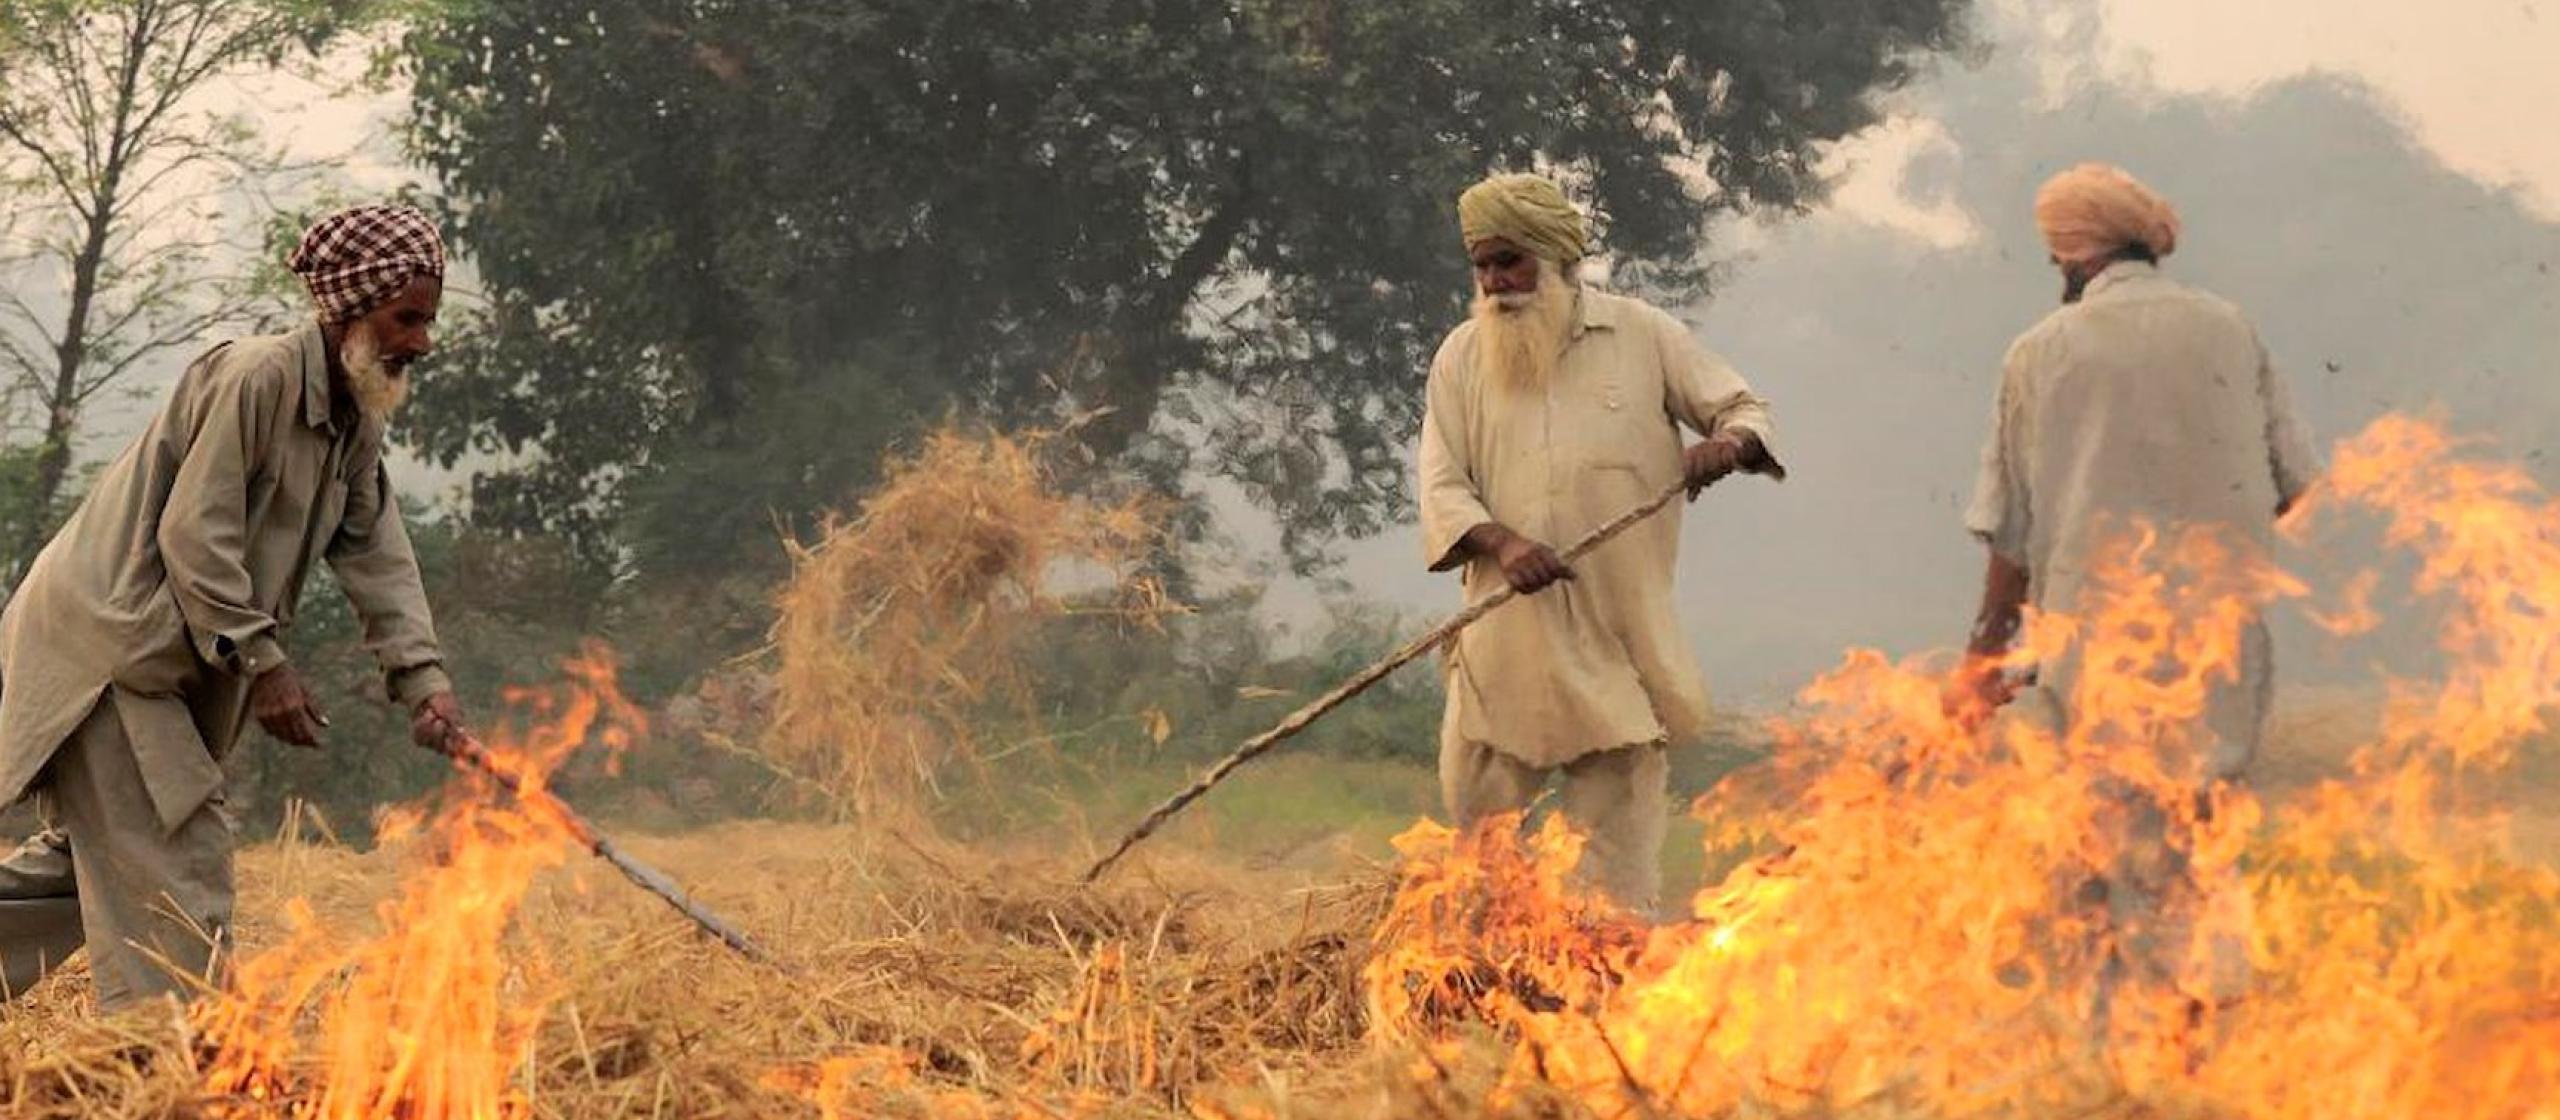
[
  {"x": 2095, "y": 209},
  {"x": 1528, "y": 211}
]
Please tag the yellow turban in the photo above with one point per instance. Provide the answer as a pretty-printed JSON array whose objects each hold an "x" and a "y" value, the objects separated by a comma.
[
  {"x": 1528, "y": 211},
  {"x": 2095, "y": 209}
]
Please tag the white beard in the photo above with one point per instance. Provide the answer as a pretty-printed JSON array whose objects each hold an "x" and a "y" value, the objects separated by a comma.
[
  {"x": 378, "y": 390},
  {"x": 1520, "y": 336}
]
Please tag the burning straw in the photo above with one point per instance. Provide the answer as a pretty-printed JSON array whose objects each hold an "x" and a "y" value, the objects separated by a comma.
[
  {"x": 967, "y": 985},
  {"x": 429, "y": 1017},
  {"x": 1925, "y": 926},
  {"x": 902, "y": 625},
  {"x": 2037, "y": 920}
]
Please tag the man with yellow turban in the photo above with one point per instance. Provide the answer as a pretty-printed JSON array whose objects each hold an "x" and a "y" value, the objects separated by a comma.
[
  {"x": 151, "y": 630},
  {"x": 1552, "y": 409},
  {"x": 2140, "y": 401}
]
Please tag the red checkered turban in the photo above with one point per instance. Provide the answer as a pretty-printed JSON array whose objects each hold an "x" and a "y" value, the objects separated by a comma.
[{"x": 357, "y": 260}]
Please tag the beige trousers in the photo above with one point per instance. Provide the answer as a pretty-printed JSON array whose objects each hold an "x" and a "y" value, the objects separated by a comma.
[
  {"x": 154, "y": 907},
  {"x": 1619, "y": 799}
]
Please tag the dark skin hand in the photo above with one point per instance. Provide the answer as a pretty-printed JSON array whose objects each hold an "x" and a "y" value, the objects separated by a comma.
[
  {"x": 1529, "y": 565},
  {"x": 1979, "y": 688},
  {"x": 279, "y": 702},
  {"x": 437, "y": 722},
  {"x": 1709, "y": 460}
]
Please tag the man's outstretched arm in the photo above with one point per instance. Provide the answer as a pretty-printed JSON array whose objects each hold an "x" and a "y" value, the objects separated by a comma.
[{"x": 378, "y": 568}]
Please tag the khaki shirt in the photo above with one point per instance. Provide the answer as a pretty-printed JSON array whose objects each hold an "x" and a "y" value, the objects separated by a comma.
[
  {"x": 1596, "y": 662},
  {"x": 2146, "y": 400},
  {"x": 172, "y": 585}
]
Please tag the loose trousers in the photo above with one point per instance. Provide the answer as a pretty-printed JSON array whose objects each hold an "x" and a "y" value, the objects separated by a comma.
[
  {"x": 1619, "y": 799},
  {"x": 154, "y": 906}
]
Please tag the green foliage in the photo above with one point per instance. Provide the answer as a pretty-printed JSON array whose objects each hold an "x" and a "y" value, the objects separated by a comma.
[
  {"x": 1218, "y": 680},
  {"x": 117, "y": 171},
  {"x": 734, "y": 248},
  {"x": 507, "y": 612},
  {"x": 1122, "y": 717},
  {"x": 18, "y": 506},
  {"x": 22, "y": 517}
]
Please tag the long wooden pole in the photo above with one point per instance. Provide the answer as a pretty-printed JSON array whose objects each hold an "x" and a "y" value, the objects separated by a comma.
[
  {"x": 464, "y": 749},
  {"x": 1298, "y": 721}
]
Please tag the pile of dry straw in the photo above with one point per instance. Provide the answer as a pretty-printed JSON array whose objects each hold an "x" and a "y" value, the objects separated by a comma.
[
  {"x": 922, "y": 983},
  {"x": 923, "y": 979}
]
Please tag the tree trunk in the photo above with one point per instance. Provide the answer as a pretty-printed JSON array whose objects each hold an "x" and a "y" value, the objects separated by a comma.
[
  {"x": 62, "y": 406},
  {"x": 1149, "y": 337},
  {"x": 62, "y": 412}
]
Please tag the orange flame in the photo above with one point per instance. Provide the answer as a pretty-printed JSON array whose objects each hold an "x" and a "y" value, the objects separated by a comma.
[
  {"x": 427, "y": 1020},
  {"x": 2045, "y": 916}
]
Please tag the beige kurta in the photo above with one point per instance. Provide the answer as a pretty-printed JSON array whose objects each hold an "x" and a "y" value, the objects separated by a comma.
[
  {"x": 2147, "y": 399},
  {"x": 1597, "y": 662},
  {"x": 172, "y": 585}
]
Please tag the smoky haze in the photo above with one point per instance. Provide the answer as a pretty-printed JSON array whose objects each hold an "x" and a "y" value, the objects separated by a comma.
[
  {"x": 2381, "y": 281},
  {"x": 2380, "y": 278}
]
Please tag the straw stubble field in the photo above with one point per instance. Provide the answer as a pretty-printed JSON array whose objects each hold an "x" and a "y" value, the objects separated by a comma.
[
  {"x": 919, "y": 981},
  {"x": 923, "y": 979},
  {"x": 1901, "y": 915}
]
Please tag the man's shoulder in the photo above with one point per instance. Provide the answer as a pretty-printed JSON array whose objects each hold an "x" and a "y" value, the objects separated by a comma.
[
  {"x": 2156, "y": 288},
  {"x": 2044, "y": 338},
  {"x": 267, "y": 362},
  {"x": 1444, "y": 361},
  {"x": 1626, "y": 311},
  {"x": 2190, "y": 309},
  {"x": 2205, "y": 302}
]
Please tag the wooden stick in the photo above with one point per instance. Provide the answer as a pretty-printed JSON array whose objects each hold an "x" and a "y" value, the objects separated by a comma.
[
  {"x": 464, "y": 749},
  {"x": 1360, "y": 682}
]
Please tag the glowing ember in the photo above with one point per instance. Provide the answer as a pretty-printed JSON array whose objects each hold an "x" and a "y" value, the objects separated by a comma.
[
  {"x": 2030, "y": 920},
  {"x": 427, "y": 1020}
]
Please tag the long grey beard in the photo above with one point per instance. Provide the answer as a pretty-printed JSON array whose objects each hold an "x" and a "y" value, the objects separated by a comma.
[
  {"x": 378, "y": 391},
  {"x": 1520, "y": 339}
]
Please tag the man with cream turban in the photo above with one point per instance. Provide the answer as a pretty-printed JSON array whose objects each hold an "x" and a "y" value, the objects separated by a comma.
[
  {"x": 1552, "y": 409},
  {"x": 151, "y": 630},
  {"x": 2140, "y": 401}
]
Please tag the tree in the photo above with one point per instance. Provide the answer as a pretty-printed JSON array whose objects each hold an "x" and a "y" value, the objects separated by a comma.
[
  {"x": 116, "y": 171},
  {"x": 734, "y": 247}
]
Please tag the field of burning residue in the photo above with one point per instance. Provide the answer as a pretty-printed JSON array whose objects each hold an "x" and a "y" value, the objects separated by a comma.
[
  {"x": 929, "y": 982},
  {"x": 1907, "y": 917},
  {"x": 917, "y": 982}
]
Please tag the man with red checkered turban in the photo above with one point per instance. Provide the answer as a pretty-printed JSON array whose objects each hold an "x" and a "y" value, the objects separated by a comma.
[{"x": 150, "y": 632}]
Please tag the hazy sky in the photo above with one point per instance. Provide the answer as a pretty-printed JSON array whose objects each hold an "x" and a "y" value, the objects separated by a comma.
[
  {"x": 2376, "y": 186},
  {"x": 2475, "y": 80},
  {"x": 2376, "y": 182}
]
